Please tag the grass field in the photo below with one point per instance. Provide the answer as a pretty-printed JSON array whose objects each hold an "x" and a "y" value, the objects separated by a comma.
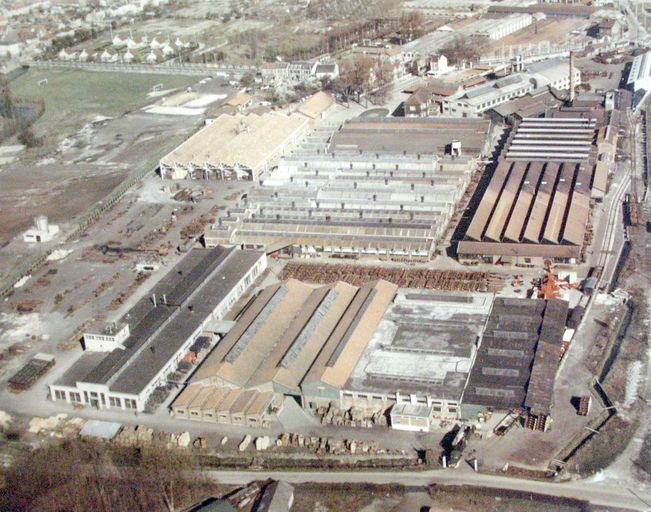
[{"x": 75, "y": 97}]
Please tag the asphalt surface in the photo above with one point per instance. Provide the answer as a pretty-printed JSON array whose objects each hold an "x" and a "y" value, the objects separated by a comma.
[{"x": 598, "y": 493}]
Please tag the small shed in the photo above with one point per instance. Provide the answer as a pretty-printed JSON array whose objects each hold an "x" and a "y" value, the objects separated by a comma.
[
  {"x": 100, "y": 429},
  {"x": 33, "y": 370},
  {"x": 278, "y": 496}
]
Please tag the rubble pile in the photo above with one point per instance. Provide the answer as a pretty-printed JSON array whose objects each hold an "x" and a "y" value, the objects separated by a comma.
[
  {"x": 140, "y": 435},
  {"x": 353, "y": 417},
  {"x": 59, "y": 425}
]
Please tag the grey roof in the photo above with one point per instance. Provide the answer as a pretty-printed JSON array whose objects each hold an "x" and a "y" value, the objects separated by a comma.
[
  {"x": 325, "y": 68},
  {"x": 277, "y": 497},
  {"x": 501, "y": 370},
  {"x": 214, "y": 505},
  {"x": 518, "y": 356},
  {"x": 509, "y": 80},
  {"x": 423, "y": 345},
  {"x": 194, "y": 287},
  {"x": 411, "y": 135}
]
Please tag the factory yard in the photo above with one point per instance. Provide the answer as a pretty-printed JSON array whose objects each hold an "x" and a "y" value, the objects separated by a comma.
[{"x": 103, "y": 139}]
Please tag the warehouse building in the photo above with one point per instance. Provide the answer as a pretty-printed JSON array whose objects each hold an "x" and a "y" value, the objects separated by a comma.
[
  {"x": 237, "y": 147},
  {"x": 497, "y": 28},
  {"x": 419, "y": 357},
  {"x": 292, "y": 336},
  {"x": 639, "y": 77},
  {"x": 380, "y": 350},
  {"x": 539, "y": 77},
  {"x": 517, "y": 361},
  {"x": 125, "y": 362},
  {"x": 537, "y": 204},
  {"x": 384, "y": 187}
]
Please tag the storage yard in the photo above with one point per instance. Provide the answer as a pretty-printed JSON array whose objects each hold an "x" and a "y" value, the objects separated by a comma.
[
  {"x": 356, "y": 275},
  {"x": 125, "y": 373}
]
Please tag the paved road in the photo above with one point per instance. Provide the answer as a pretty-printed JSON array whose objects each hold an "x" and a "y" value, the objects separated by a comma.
[{"x": 597, "y": 493}]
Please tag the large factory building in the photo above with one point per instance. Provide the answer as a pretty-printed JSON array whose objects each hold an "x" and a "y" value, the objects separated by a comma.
[
  {"x": 381, "y": 187},
  {"x": 126, "y": 361},
  {"x": 537, "y": 204}
]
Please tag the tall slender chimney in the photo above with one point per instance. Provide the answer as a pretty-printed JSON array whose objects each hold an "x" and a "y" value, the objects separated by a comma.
[{"x": 572, "y": 77}]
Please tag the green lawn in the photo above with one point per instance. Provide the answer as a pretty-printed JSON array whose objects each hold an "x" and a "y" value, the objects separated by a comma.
[{"x": 75, "y": 97}]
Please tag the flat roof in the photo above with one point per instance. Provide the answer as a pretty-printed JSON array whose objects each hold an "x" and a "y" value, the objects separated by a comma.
[
  {"x": 412, "y": 135},
  {"x": 424, "y": 344}
]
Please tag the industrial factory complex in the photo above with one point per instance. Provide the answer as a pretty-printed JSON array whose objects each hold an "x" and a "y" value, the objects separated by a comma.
[
  {"x": 537, "y": 205},
  {"x": 383, "y": 187},
  {"x": 386, "y": 188},
  {"x": 414, "y": 355},
  {"x": 406, "y": 240}
]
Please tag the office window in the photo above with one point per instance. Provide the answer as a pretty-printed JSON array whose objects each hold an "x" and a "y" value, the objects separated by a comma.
[
  {"x": 59, "y": 395},
  {"x": 129, "y": 403},
  {"x": 115, "y": 401},
  {"x": 75, "y": 397}
]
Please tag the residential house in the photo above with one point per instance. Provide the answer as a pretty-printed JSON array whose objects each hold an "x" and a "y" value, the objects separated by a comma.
[
  {"x": 299, "y": 72},
  {"x": 610, "y": 28},
  {"x": 326, "y": 70}
]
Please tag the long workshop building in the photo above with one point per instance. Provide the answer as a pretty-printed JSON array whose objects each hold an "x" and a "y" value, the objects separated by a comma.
[
  {"x": 237, "y": 147},
  {"x": 518, "y": 359},
  {"x": 537, "y": 204},
  {"x": 374, "y": 348},
  {"x": 382, "y": 187},
  {"x": 125, "y": 362}
]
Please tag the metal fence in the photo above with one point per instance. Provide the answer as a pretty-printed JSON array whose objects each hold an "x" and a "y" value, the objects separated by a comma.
[{"x": 169, "y": 68}]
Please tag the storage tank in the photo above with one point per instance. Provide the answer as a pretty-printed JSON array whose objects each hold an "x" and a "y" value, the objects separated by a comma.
[{"x": 42, "y": 223}]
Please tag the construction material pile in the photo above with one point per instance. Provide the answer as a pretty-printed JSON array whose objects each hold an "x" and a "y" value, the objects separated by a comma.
[{"x": 357, "y": 275}]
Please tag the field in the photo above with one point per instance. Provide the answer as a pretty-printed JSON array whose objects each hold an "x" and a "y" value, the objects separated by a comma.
[{"x": 74, "y": 98}]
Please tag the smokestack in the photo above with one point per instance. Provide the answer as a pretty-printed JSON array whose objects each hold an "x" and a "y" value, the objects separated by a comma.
[
  {"x": 165, "y": 299},
  {"x": 571, "y": 77},
  {"x": 153, "y": 298}
]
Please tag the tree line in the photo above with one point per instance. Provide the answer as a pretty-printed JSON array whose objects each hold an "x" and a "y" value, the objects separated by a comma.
[{"x": 80, "y": 475}]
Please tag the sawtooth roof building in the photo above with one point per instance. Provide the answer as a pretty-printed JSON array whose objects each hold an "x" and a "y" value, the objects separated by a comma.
[
  {"x": 639, "y": 77},
  {"x": 384, "y": 187},
  {"x": 371, "y": 347},
  {"x": 122, "y": 372},
  {"x": 408, "y": 354},
  {"x": 537, "y": 204}
]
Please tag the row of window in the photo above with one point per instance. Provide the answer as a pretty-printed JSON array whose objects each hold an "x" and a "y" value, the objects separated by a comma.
[{"x": 75, "y": 398}]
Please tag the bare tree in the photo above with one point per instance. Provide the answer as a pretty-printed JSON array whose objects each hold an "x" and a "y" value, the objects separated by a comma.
[{"x": 355, "y": 76}]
